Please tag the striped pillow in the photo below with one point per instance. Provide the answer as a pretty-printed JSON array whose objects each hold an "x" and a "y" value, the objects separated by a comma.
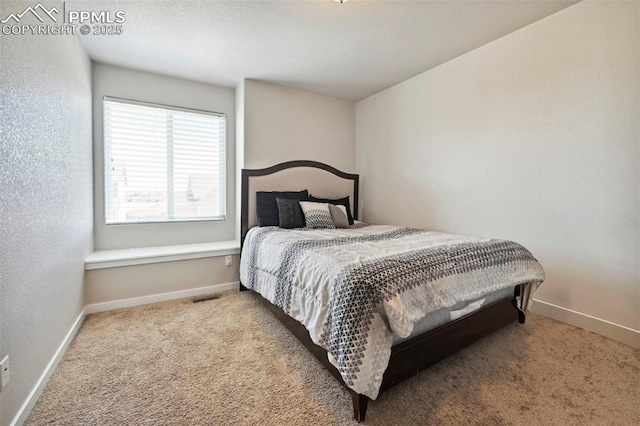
[{"x": 317, "y": 215}]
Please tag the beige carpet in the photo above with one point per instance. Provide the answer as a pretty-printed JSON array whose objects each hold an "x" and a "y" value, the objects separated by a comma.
[{"x": 229, "y": 361}]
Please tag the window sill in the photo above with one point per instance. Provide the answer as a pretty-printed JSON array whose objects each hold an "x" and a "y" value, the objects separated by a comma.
[{"x": 140, "y": 256}]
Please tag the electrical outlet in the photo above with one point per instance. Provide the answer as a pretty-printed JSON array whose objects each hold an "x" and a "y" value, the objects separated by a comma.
[
  {"x": 228, "y": 261},
  {"x": 4, "y": 372}
]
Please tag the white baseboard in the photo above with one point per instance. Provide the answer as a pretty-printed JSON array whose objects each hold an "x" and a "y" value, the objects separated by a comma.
[
  {"x": 136, "y": 301},
  {"x": 33, "y": 396},
  {"x": 606, "y": 328}
]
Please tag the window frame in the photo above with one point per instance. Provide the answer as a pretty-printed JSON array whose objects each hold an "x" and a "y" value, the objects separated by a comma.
[{"x": 223, "y": 162}]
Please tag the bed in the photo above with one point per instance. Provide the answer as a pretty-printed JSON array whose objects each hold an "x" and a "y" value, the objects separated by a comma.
[{"x": 376, "y": 304}]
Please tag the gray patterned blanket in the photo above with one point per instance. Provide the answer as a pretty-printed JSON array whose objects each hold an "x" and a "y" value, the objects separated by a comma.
[{"x": 353, "y": 289}]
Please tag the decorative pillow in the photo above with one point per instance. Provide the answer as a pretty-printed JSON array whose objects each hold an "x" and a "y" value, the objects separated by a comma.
[
  {"x": 317, "y": 215},
  {"x": 339, "y": 201},
  {"x": 267, "y": 208},
  {"x": 339, "y": 216},
  {"x": 290, "y": 213},
  {"x": 358, "y": 224}
]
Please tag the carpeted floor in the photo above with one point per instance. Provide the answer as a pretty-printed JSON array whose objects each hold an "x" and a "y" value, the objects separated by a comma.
[{"x": 229, "y": 361}]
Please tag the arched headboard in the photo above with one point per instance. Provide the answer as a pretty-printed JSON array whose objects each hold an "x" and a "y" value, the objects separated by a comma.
[{"x": 322, "y": 180}]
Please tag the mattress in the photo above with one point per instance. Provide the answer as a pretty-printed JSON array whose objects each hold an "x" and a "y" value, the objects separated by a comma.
[{"x": 445, "y": 315}]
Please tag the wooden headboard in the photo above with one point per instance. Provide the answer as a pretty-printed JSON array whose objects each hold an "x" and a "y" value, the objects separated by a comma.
[{"x": 320, "y": 179}]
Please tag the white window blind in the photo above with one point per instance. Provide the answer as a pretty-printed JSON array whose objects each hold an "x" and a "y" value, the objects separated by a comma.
[{"x": 162, "y": 164}]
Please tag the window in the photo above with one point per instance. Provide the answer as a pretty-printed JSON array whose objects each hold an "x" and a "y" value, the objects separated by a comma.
[{"x": 162, "y": 164}]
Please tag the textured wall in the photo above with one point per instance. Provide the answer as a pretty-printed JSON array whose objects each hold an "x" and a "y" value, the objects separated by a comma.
[
  {"x": 533, "y": 137},
  {"x": 45, "y": 200}
]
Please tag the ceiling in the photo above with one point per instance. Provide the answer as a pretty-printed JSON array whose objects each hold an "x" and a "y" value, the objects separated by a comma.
[{"x": 349, "y": 50}]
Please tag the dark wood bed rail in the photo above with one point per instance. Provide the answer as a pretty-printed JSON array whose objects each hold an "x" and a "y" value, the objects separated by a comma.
[{"x": 417, "y": 354}]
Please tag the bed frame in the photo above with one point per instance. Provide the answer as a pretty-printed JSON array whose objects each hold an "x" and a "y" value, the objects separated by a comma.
[{"x": 407, "y": 358}]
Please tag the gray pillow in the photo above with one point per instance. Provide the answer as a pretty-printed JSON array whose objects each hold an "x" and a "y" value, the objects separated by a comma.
[
  {"x": 267, "y": 208},
  {"x": 339, "y": 216},
  {"x": 289, "y": 213}
]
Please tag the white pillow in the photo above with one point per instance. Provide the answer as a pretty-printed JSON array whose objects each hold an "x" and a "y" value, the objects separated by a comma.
[{"x": 317, "y": 215}]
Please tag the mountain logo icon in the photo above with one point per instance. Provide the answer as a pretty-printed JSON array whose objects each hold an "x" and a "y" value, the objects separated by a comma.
[{"x": 34, "y": 11}]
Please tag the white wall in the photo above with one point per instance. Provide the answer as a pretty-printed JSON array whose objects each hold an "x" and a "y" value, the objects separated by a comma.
[
  {"x": 115, "y": 284},
  {"x": 239, "y": 151},
  {"x": 533, "y": 137},
  {"x": 45, "y": 201},
  {"x": 283, "y": 124},
  {"x": 125, "y": 83}
]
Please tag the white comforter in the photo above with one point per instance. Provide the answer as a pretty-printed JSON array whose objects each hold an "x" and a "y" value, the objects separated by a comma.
[{"x": 354, "y": 288}]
